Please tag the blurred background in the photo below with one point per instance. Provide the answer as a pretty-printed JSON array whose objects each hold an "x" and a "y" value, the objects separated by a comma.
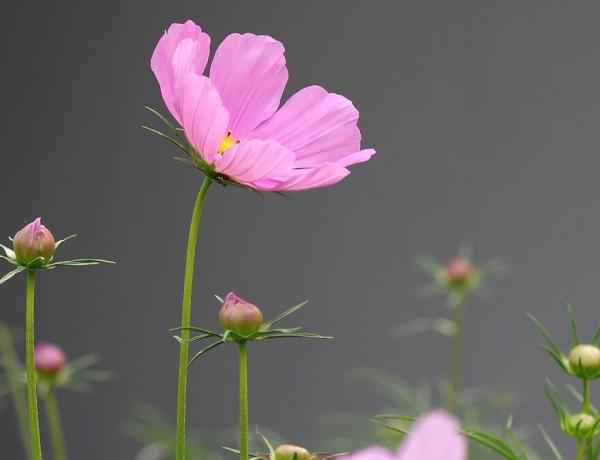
[{"x": 485, "y": 118}]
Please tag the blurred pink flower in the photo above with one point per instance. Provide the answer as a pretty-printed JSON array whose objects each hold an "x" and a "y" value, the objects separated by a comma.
[
  {"x": 434, "y": 436},
  {"x": 49, "y": 358},
  {"x": 233, "y": 120}
]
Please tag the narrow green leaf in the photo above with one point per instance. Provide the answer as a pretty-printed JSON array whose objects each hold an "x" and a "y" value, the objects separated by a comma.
[
  {"x": 269, "y": 446},
  {"x": 166, "y": 137},
  {"x": 285, "y": 314},
  {"x": 545, "y": 334},
  {"x": 79, "y": 263},
  {"x": 9, "y": 260},
  {"x": 8, "y": 251},
  {"x": 12, "y": 273},
  {"x": 161, "y": 117},
  {"x": 196, "y": 329},
  {"x": 205, "y": 350},
  {"x": 305, "y": 335},
  {"x": 574, "y": 337}
]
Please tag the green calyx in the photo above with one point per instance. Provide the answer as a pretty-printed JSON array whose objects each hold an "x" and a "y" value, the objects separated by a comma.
[
  {"x": 23, "y": 262},
  {"x": 266, "y": 331},
  {"x": 581, "y": 426}
]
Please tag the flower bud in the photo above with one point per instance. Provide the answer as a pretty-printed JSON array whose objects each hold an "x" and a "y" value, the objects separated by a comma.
[
  {"x": 33, "y": 241},
  {"x": 240, "y": 316},
  {"x": 580, "y": 425},
  {"x": 459, "y": 272},
  {"x": 289, "y": 451},
  {"x": 585, "y": 360},
  {"x": 49, "y": 359}
]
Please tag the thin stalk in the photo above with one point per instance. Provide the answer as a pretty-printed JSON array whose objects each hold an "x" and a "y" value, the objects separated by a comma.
[
  {"x": 586, "y": 405},
  {"x": 186, "y": 316},
  {"x": 57, "y": 438},
  {"x": 32, "y": 404},
  {"x": 581, "y": 450},
  {"x": 10, "y": 362},
  {"x": 243, "y": 401},
  {"x": 454, "y": 372}
]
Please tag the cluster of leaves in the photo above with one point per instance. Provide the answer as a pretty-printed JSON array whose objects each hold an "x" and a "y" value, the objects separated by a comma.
[
  {"x": 267, "y": 331},
  {"x": 477, "y": 408}
]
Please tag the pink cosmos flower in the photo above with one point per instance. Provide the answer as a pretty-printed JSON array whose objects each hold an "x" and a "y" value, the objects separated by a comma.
[
  {"x": 435, "y": 436},
  {"x": 233, "y": 120}
]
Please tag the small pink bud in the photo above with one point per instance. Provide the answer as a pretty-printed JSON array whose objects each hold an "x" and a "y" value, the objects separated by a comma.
[
  {"x": 33, "y": 241},
  {"x": 459, "y": 271},
  {"x": 240, "y": 316},
  {"x": 49, "y": 358}
]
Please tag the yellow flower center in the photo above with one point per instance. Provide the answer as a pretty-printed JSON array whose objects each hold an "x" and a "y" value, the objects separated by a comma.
[{"x": 227, "y": 143}]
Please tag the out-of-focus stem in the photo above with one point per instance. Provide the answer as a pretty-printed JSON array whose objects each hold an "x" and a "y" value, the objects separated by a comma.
[
  {"x": 57, "y": 438},
  {"x": 10, "y": 362},
  {"x": 32, "y": 403},
  {"x": 186, "y": 316},
  {"x": 586, "y": 404},
  {"x": 454, "y": 372}
]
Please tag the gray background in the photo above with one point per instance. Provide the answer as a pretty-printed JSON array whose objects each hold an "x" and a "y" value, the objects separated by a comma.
[{"x": 485, "y": 118}]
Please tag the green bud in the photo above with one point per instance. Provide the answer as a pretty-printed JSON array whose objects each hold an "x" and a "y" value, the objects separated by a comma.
[
  {"x": 585, "y": 360},
  {"x": 289, "y": 451},
  {"x": 580, "y": 425},
  {"x": 240, "y": 316}
]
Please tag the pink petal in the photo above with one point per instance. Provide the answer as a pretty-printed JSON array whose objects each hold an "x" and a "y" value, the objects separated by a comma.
[
  {"x": 319, "y": 127},
  {"x": 183, "y": 48},
  {"x": 250, "y": 73},
  {"x": 256, "y": 160},
  {"x": 303, "y": 179},
  {"x": 371, "y": 453},
  {"x": 204, "y": 118},
  {"x": 434, "y": 437}
]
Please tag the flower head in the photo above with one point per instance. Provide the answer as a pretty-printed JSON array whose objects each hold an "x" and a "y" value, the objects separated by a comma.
[
  {"x": 434, "y": 436},
  {"x": 584, "y": 360},
  {"x": 240, "y": 316},
  {"x": 50, "y": 359},
  {"x": 233, "y": 120},
  {"x": 34, "y": 241}
]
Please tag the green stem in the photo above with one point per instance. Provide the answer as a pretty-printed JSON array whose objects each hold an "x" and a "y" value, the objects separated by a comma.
[
  {"x": 243, "y": 401},
  {"x": 580, "y": 450},
  {"x": 454, "y": 371},
  {"x": 186, "y": 316},
  {"x": 57, "y": 438},
  {"x": 586, "y": 405},
  {"x": 32, "y": 405},
  {"x": 10, "y": 362}
]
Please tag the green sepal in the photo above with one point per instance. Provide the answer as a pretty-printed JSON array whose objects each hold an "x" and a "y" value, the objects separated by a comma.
[
  {"x": 64, "y": 240},
  {"x": 78, "y": 263},
  {"x": 12, "y": 274},
  {"x": 9, "y": 252},
  {"x": 284, "y": 315},
  {"x": 205, "y": 350},
  {"x": 552, "y": 349},
  {"x": 9, "y": 260}
]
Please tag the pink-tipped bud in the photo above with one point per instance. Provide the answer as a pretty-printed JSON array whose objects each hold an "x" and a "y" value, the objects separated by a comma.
[
  {"x": 292, "y": 452},
  {"x": 33, "y": 241},
  {"x": 240, "y": 316},
  {"x": 459, "y": 271},
  {"x": 49, "y": 358}
]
